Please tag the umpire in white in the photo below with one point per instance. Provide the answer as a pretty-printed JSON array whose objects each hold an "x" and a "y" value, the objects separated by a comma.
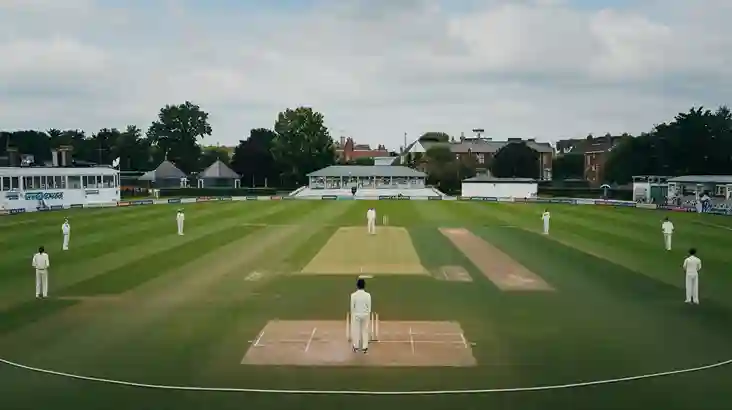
[
  {"x": 360, "y": 314},
  {"x": 41, "y": 263}
]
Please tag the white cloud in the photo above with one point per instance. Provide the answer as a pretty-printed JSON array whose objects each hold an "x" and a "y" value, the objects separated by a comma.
[{"x": 375, "y": 69}]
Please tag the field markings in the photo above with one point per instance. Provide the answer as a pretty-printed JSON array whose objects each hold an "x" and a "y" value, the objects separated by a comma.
[
  {"x": 310, "y": 340},
  {"x": 367, "y": 392}
]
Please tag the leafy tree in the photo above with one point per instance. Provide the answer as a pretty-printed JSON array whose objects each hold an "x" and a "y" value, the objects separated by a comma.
[
  {"x": 516, "y": 160},
  {"x": 302, "y": 144},
  {"x": 253, "y": 158},
  {"x": 568, "y": 166},
  {"x": 435, "y": 136},
  {"x": 209, "y": 155},
  {"x": 132, "y": 149},
  {"x": 446, "y": 171},
  {"x": 103, "y": 142},
  {"x": 175, "y": 134}
]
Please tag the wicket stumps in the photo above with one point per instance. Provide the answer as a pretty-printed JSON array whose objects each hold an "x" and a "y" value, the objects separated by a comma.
[
  {"x": 385, "y": 220},
  {"x": 373, "y": 327}
]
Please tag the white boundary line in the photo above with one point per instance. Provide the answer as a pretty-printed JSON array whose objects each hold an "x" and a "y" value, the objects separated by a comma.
[
  {"x": 312, "y": 334},
  {"x": 365, "y": 392},
  {"x": 410, "y": 341}
]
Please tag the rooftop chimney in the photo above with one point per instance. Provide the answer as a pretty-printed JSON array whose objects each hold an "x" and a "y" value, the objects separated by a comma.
[
  {"x": 343, "y": 141},
  {"x": 54, "y": 157}
]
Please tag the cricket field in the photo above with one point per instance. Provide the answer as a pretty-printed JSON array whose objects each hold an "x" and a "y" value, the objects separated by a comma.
[{"x": 248, "y": 308}]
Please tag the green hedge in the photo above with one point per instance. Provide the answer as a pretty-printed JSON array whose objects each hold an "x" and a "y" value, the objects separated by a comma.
[
  {"x": 618, "y": 194},
  {"x": 195, "y": 192}
]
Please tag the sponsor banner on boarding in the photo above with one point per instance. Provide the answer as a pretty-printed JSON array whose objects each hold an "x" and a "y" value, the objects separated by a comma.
[
  {"x": 562, "y": 201},
  {"x": 187, "y": 200},
  {"x": 76, "y": 206},
  {"x": 610, "y": 202},
  {"x": 505, "y": 199},
  {"x": 203, "y": 199},
  {"x": 101, "y": 204},
  {"x": 646, "y": 206},
  {"x": 329, "y": 197},
  {"x": 275, "y": 198},
  {"x": 434, "y": 198},
  {"x": 16, "y": 211},
  {"x": 397, "y": 197},
  {"x": 56, "y": 207},
  {"x": 224, "y": 198},
  {"x": 123, "y": 203},
  {"x": 584, "y": 201},
  {"x": 174, "y": 200},
  {"x": 142, "y": 202},
  {"x": 251, "y": 198}
]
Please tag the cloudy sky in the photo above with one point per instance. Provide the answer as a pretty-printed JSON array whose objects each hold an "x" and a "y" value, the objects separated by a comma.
[{"x": 376, "y": 69}]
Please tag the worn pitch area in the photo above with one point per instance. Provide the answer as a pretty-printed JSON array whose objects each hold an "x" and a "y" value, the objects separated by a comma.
[
  {"x": 324, "y": 343},
  {"x": 351, "y": 250},
  {"x": 499, "y": 268},
  {"x": 453, "y": 274}
]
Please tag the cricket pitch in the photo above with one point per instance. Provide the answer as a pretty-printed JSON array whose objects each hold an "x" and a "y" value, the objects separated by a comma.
[
  {"x": 324, "y": 343},
  {"x": 351, "y": 251},
  {"x": 499, "y": 268}
]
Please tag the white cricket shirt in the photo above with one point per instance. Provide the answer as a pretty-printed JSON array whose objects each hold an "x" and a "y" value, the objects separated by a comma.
[
  {"x": 180, "y": 217},
  {"x": 40, "y": 261},
  {"x": 360, "y": 302},
  {"x": 692, "y": 265},
  {"x": 66, "y": 228},
  {"x": 545, "y": 216},
  {"x": 371, "y": 214},
  {"x": 667, "y": 227}
]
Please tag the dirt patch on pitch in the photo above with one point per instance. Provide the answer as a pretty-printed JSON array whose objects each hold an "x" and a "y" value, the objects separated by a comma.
[
  {"x": 453, "y": 274},
  {"x": 352, "y": 250},
  {"x": 499, "y": 268},
  {"x": 324, "y": 343}
]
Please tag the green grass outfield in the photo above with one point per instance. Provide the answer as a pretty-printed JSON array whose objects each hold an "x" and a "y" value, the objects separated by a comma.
[{"x": 133, "y": 301}]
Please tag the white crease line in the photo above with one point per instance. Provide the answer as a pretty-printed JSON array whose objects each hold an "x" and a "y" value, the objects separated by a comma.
[
  {"x": 465, "y": 342},
  {"x": 411, "y": 339},
  {"x": 307, "y": 346},
  {"x": 256, "y": 342}
]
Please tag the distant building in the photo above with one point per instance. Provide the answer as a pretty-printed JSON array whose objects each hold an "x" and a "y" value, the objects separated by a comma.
[
  {"x": 596, "y": 151},
  {"x": 484, "y": 149},
  {"x": 348, "y": 150}
]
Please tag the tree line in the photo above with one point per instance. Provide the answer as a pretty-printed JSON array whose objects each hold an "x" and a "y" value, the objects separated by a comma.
[
  {"x": 297, "y": 144},
  {"x": 695, "y": 142}
]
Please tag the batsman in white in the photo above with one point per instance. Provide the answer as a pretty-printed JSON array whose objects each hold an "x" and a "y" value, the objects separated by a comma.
[
  {"x": 66, "y": 230},
  {"x": 371, "y": 220},
  {"x": 360, "y": 314},
  {"x": 546, "y": 217},
  {"x": 692, "y": 266},
  {"x": 180, "y": 218},
  {"x": 668, "y": 229},
  {"x": 41, "y": 263}
]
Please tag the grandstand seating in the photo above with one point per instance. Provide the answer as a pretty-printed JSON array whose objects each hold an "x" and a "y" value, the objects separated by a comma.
[{"x": 364, "y": 193}]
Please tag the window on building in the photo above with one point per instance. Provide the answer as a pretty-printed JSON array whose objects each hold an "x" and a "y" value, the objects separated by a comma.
[
  {"x": 481, "y": 158},
  {"x": 90, "y": 181},
  {"x": 75, "y": 182},
  {"x": 108, "y": 181},
  {"x": 14, "y": 182},
  {"x": 28, "y": 183},
  {"x": 60, "y": 182},
  {"x": 5, "y": 183}
]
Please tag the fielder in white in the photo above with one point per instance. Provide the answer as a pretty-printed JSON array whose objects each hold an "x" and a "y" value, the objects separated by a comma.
[
  {"x": 546, "y": 217},
  {"x": 360, "y": 314},
  {"x": 668, "y": 229},
  {"x": 66, "y": 230},
  {"x": 371, "y": 220},
  {"x": 41, "y": 263},
  {"x": 180, "y": 218},
  {"x": 692, "y": 266}
]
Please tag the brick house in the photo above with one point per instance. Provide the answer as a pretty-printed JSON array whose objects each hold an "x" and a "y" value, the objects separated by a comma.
[
  {"x": 596, "y": 151},
  {"x": 484, "y": 149},
  {"x": 348, "y": 150}
]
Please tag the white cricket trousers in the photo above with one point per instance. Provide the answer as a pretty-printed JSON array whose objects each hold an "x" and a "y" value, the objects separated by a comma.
[
  {"x": 66, "y": 242},
  {"x": 667, "y": 241},
  {"x": 692, "y": 288},
  {"x": 371, "y": 224},
  {"x": 360, "y": 330},
  {"x": 180, "y": 227},
  {"x": 41, "y": 282},
  {"x": 546, "y": 227}
]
